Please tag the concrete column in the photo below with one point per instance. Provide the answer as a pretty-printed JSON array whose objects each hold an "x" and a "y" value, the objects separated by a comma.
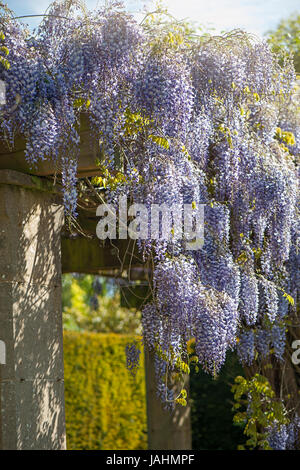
[
  {"x": 31, "y": 377},
  {"x": 166, "y": 430}
]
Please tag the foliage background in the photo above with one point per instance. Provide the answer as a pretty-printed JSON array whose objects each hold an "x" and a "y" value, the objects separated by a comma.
[
  {"x": 105, "y": 405},
  {"x": 287, "y": 36},
  {"x": 211, "y": 413},
  {"x": 93, "y": 303}
]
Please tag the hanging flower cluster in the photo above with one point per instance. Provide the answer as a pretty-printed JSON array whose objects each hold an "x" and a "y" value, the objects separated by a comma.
[{"x": 207, "y": 121}]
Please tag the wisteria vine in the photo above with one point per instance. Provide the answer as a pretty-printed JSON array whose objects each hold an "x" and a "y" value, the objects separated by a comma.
[{"x": 209, "y": 121}]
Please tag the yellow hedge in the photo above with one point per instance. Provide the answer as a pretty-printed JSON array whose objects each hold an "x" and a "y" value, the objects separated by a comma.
[{"x": 105, "y": 405}]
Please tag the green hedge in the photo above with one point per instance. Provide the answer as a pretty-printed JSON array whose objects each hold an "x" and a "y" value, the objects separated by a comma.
[{"x": 105, "y": 405}]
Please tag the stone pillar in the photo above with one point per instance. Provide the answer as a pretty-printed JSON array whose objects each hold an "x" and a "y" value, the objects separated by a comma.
[
  {"x": 166, "y": 430},
  {"x": 31, "y": 380}
]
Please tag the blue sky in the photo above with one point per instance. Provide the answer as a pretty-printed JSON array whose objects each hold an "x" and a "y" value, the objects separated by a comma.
[{"x": 255, "y": 16}]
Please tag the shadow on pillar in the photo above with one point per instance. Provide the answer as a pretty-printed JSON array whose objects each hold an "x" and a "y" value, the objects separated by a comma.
[
  {"x": 166, "y": 430},
  {"x": 31, "y": 381}
]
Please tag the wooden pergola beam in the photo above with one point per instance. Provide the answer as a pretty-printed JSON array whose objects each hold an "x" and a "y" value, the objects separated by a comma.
[{"x": 93, "y": 256}]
